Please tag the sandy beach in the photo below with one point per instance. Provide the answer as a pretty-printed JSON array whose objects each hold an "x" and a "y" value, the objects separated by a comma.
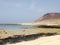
[
  {"x": 30, "y": 36},
  {"x": 49, "y": 40},
  {"x": 29, "y": 22},
  {"x": 7, "y": 33}
]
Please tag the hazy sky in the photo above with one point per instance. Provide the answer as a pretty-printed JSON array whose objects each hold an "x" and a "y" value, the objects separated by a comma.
[{"x": 26, "y": 10}]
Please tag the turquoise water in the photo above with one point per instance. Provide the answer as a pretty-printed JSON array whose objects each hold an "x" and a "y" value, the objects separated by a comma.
[{"x": 13, "y": 26}]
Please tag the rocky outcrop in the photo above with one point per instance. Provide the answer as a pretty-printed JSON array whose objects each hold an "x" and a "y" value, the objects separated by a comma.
[{"x": 20, "y": 38}]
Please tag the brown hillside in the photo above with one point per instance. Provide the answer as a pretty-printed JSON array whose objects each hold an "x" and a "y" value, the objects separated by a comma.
[{"x": 49, "y": 16}]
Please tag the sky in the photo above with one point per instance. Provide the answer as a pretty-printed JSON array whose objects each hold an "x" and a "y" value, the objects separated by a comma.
[{"x": 26, "y": 10}]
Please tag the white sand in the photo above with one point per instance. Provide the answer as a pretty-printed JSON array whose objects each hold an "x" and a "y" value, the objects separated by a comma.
[{"x": 49, "y": 40}]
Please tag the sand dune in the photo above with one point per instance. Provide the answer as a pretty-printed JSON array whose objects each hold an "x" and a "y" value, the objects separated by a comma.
[{"x": 49, "y": 40}]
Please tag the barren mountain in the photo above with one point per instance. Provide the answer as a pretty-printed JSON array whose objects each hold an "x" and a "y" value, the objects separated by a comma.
[{"x": 49, "y": 16}]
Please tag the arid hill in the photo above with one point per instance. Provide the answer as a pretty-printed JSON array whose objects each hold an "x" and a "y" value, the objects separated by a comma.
[
  {"x": 49, "y": 16},
  {"x": 49, "y": 19}
]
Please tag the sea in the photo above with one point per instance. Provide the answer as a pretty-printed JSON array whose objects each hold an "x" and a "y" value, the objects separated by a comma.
[{"x": 14, "y": 26}]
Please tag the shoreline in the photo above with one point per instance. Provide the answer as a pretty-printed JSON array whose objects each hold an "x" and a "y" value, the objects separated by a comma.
[
  {"x": 49, "y": 40},
  {"x": 20, "y": 38}
]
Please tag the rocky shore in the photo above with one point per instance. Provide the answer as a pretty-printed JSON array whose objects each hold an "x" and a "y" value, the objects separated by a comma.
[{"x": 20, "y": 38}]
